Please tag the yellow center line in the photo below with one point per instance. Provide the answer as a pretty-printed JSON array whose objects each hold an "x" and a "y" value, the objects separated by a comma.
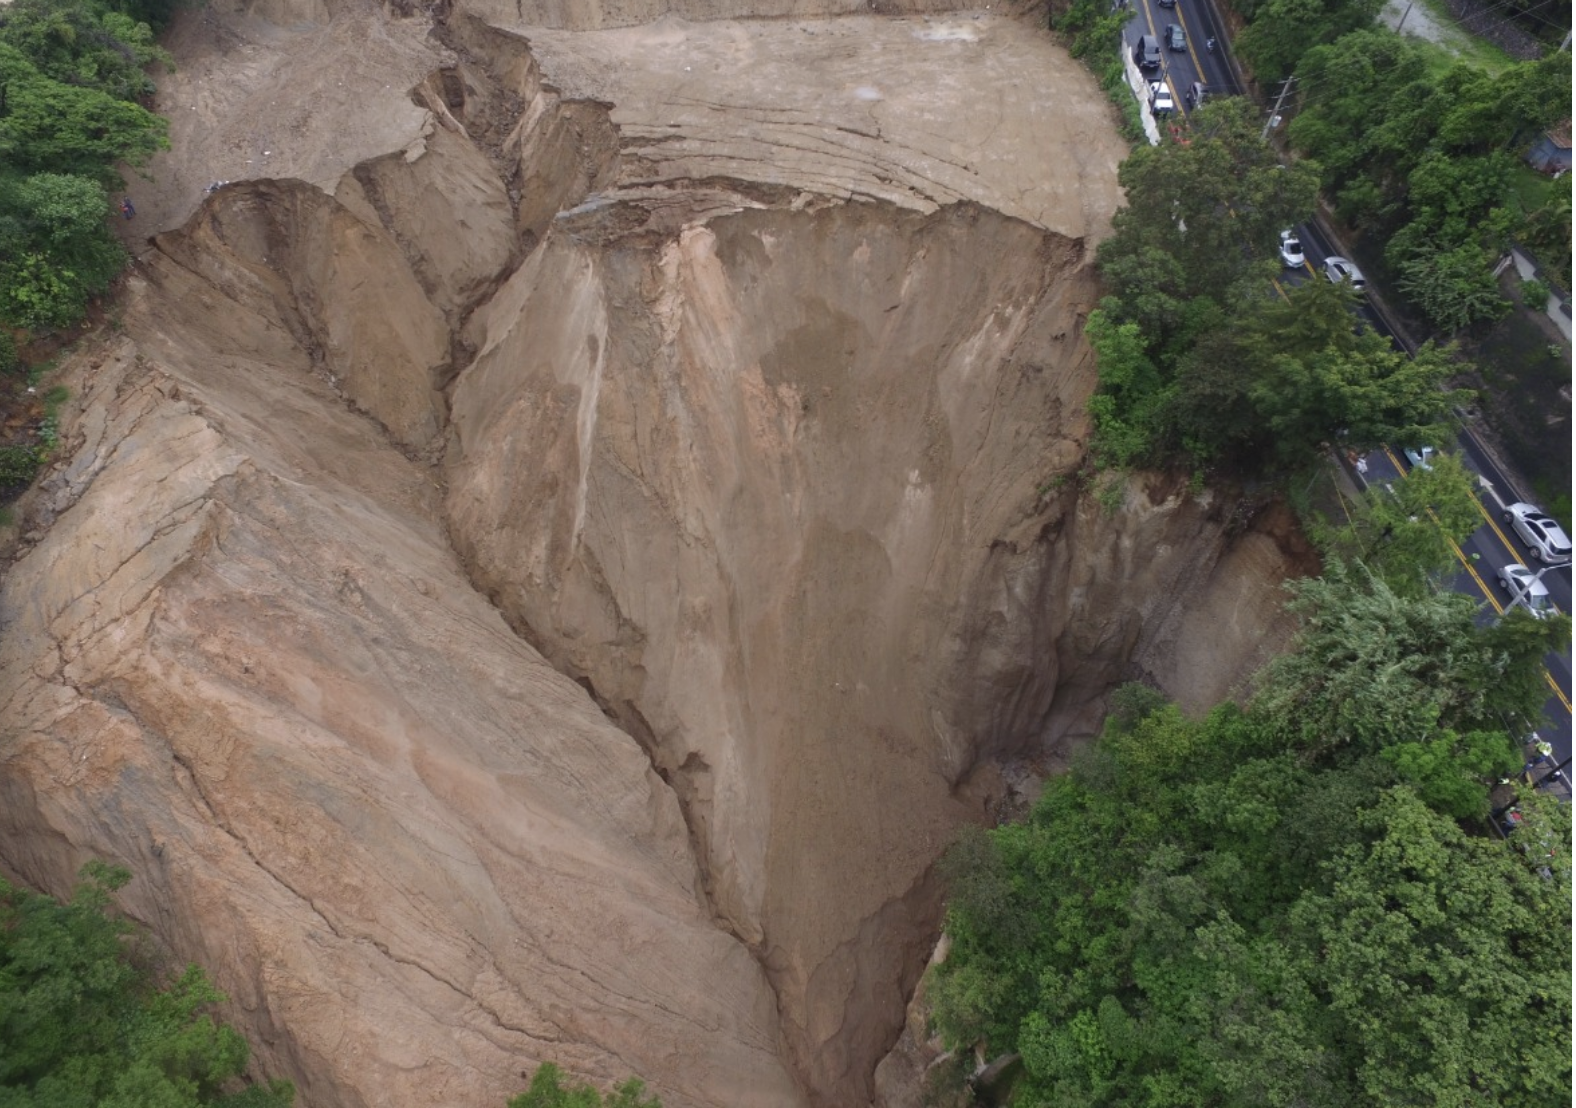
[
  {"x": 1488, "y": 594},
  {"x": 1489, "y": 518}
]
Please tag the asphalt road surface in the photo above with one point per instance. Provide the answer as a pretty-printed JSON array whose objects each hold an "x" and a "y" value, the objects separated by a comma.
[{"x": 1180, "y": 68}]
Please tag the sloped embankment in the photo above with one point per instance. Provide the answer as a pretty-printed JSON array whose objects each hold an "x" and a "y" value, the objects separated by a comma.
[{"x": 749, "y": 405}]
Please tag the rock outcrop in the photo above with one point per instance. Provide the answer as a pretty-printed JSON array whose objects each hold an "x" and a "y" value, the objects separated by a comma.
[{"x": 543, "y": 578}]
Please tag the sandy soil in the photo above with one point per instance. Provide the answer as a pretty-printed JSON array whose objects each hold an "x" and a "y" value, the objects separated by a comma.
[{"x": 305, "y": 97}]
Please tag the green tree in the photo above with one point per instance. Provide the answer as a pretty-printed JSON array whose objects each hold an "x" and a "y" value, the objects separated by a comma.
[
  {"x": 1294, "y": 375},
  {"x": 1282, "y": 30},
  {"x": 1276, "y": 907},
  {"x": 548, "y": 1090},
  {"x": 81, "y": 43},
  {"x": 59, "y": 248},
  {"x": 1455, "y": 287},
  {"x": 1444, "y": 961},
  {"x": 1373, "y": 668},
  {"x": 81, "y": 1022},
  {"x": 50, "y": 127},
  {"x": 1201, "y": 218},
  {"x": 1201, "y": 225},
  {"x": 1409, "y": 531}
]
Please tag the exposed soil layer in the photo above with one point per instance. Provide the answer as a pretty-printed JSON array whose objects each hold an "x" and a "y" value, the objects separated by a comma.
[{"x": 573, "y": 526}]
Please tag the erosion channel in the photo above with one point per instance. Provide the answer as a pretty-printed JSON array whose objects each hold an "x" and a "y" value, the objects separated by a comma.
[{"x": 558, "y": 544}]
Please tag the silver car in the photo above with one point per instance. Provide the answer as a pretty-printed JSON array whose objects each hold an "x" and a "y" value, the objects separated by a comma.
[
  {"x": 1338, "y": 269},
  {"x": 1291, "y": 250},
  {"x": 1524, "y": 587},
  {"x": 1541, "y": 532}
]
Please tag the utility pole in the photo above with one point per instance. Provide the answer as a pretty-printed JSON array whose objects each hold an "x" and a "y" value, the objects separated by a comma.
[
  {"x": 1404, "y": 14},
  {"x": 1264, "y": 136}
]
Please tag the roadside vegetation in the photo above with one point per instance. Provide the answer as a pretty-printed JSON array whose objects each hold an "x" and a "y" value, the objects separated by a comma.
[
  {"x": 1204, "y": 361},
  {"x": 1300, "y": 900},
  {"x": 86, "y": 1019},
  {"x": 74, "y": 84},
  {"x": 1427, "y": 160},
  {"x": 1292, "y": 903}
]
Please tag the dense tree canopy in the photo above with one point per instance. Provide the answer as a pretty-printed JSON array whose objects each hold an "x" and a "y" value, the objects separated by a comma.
[
  {"x": 1421, "y": 156},
  {"x": 85, "y": 44},
  {"x": 1202, "y": 218},
  {"x": 71, "y": 75},
  {"x": 1277, "y": 905},
  {"x": 82, "y": 1022}
]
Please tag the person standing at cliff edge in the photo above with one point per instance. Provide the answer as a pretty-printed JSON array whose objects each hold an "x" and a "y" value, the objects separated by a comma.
[{"x": 125, "y": 207}]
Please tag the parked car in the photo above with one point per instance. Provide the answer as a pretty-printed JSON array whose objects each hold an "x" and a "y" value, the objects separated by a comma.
[
  {"x": 1421, "y": 457},
  {"x": 1522, "y": 584},
  {"x": 1338, "y": 269},
  {"x": 1147, "y": 53},
  {"x": 1160, "y": 101},
  {"x": 1195, "y": 94},
  {"x": 1291, "y": 250},
  {"x": 1541, "y": 532},
  {"x": 1175, "y": 39}
]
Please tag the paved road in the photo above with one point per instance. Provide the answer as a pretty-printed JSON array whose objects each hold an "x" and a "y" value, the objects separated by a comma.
[
  {"x": 1494, "y": 543},
  {"x": 1180, "y": 68}
]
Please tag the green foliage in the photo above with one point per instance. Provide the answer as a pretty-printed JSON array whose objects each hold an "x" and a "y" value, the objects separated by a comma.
[
  {"x": 60, "y": 249},
  {"x": 71, "y": 72},
  {"x": 84, "y": 44},
  {"x": 1283, "y": 30},
  {"x": 10, "y": 358},
  {"x": 1374, "y": 668},
  {"x": 1423, "y": 157},
  {"x": 1535, "y": 294},
  {"x": 82, "y": 1023},
  {"x": 1192, "y": 247},
  {"x": 548, "y": 1090},
  {"x": 1202, "y": 218},
  {"x": 1408, "y": 532},
  {"x": 19, "y": 465},
  {"x": 1293, "y": 376},
  {"x": 51, "y": 127},
  {"x": 1455, "y": 288},
  {"x": 1276, "y": 907}
]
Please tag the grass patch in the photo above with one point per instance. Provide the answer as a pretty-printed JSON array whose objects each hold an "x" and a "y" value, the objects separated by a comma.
[
  {"x": 1530, "y": 190},
  {"x": 1456, "y": 44}
]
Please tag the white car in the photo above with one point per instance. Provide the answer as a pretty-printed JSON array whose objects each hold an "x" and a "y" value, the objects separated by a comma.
[
  {"x": 1421, "y": 457},
  {"x": 1338, "y": 269},
  {"x": 1541, "y": 532},
  {"x": 1291, "y": 250},
  {"x": 1160, "y": 101},
  {"x": 1523, "y": 586}
]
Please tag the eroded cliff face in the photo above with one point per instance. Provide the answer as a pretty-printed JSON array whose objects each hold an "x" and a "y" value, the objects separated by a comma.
[{"x": 545, "y": 579}]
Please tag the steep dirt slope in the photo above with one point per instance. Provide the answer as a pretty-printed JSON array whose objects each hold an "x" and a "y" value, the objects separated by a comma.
[
  {"x": 243, "y": 661},
  {"x": 736, "y": 367}
]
